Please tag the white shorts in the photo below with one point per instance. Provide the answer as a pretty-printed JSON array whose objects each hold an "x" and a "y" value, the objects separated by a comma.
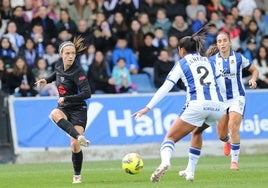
[
  {"x": 199, "y": 112},
  {"x": 236, "y": 105}
]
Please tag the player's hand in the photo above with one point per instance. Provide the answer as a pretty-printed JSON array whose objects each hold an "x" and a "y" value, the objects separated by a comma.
[
  {"x": 40, "y": 82},
  {"x": 139, "y": 113},
  {"x": 61, "y": 101},
  {"x": 252, "y": 83}
]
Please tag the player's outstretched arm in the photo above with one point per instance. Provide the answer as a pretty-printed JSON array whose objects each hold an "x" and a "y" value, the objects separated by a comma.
[{"x": 40, "y": 82}]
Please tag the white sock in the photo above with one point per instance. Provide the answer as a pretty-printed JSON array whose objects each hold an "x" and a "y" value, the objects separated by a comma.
[
  {"x": 166, "y": 151},
  {"x": 194, "y": 155},
  {"x": 235, "y": 151}
]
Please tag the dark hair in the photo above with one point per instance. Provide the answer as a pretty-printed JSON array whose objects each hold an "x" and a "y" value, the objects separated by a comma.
[
  {"x": 195, "y": 43},
  {"x": 258, "y": 57}
]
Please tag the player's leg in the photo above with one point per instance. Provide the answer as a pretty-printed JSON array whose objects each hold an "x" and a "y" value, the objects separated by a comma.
[
  {"x": 235, "y": 120},
  {"x": 178, "y": 130},
  {"x": 194, "y": 153},
  {"x": 77, "y": 156},
  {"x": 223, "y": 133},
  {"x": 60, "y": 119},
  {"x": 78, "y": 118}
]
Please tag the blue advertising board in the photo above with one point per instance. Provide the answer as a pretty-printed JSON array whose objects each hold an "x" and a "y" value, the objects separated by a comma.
[{"x": 110, "y": 120}]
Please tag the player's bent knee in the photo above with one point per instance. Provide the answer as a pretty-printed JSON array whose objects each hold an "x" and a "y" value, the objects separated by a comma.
[{"x": 75, "y": 145}]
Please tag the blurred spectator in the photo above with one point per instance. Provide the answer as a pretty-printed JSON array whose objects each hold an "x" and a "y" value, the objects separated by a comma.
[
  {"x": 173, "y": 8},
  {"x": 251, "y": 32},
  {"x": 159, "y": 41},
  {"x": 211, "y": 35},
  {"x": 7, "y": 53},
  {"x": 21, "y": 80},
  {"x": 47, "y": 23},
  {"x": 180, "y": 28},
  {"x": 148, "y": 55},
  {"x": 150, "y": 7},
  {"x": 100, "y": 17},
  {"x": 95, "y": 8},
  {"x": 162, "y": 21},
  {"x": 261, "y": 63},
  {"x": 79, "y": 11},
  {"x": 121, "y": 76},
  {"x": 192, "y": 8},
  {"x": 40, "y": 39},
  {"x": 121, "y": 50},
  {"x": 23, "y": 27},
  {"x": 127, "y": 8},
  {"x": 119, "y": 25},
  {"x": 250, "y": 51},
  {"x": 135, "y": 36},
  {"x": 66, "y": 23},
  {"x": 228, "y": 4},
  {"x": 3, "y": 76},
  {"x": 51, "y": 56},
  {"x": 199, "y": 22},
  {"x": 29, "y": 52},
  {"x": 108, "y": 8},
  {"x": 41, "y": 71},
  {"x": 29, "y": 11},
  {"x": 98, "y": 75},
  {"x": 64, "y": 35},
  {"x": 86, "y": 59},
  {"x": 236, "y": 16},
  {"x": 264, "y": 41},
  {"x": 233, "y": 30},
  {"x": 216, "y": 20},
  {"x": 146, "y": 25},
  {"x": 161, "y": 69},
  {"x": 258, "y": 16},
  {"x": 216, "y": 6},
  {"x": 52, "y": 11},
  {"x": 172, "y": 48},
  {"x": 246, "y": 7},
  {"x": 83, "y": 31},
  {"x": 103, "y": 39},
  {"x": 3, "y": 26},
  {"x": 16, "y": 39},
  {"x": 5, "y": 10}
]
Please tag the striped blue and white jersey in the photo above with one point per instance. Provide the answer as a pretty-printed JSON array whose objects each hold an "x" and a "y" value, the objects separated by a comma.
[
  {"x": 198, "y": 75},
  {"x": 229, "y": 72}
]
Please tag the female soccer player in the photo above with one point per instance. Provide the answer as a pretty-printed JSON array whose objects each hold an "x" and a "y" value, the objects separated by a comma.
[
  {"x": 74, "y": 89},
  {"x": 203, "y": 105},
  {"x": 229, "y": 65}
]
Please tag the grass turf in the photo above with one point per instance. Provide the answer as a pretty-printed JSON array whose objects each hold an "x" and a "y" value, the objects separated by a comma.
[{"x": 212, "y": 172}]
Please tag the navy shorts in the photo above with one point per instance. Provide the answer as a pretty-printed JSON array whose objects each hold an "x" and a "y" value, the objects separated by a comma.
[{"x": 76, "y": 115}]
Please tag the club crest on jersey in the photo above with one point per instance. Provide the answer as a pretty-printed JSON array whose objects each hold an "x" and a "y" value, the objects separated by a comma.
[
  {"x": 232, "y": 62},
  {"x": 61, "y": 78}
]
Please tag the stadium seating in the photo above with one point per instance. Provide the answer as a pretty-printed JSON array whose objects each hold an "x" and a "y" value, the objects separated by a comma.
[{"x": 143, "y": 83}]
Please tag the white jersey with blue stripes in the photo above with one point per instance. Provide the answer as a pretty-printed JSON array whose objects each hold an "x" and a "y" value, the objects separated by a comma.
[
  {"x": 230, "y": 74},
  {"x": 198, "y": 75}
]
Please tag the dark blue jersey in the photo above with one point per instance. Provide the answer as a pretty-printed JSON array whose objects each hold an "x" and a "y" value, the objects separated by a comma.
[{"x": 72, "y": 84}]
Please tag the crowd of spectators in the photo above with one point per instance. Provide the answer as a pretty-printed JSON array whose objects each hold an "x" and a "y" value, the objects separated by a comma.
[{"x": 124, "y": 37}]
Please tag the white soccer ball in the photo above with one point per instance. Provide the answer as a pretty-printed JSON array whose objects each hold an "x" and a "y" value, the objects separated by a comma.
[{"x": 132, "y": 163}]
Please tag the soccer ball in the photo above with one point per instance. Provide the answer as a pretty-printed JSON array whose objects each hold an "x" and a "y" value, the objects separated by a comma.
[{"x": 132, "y": 163}]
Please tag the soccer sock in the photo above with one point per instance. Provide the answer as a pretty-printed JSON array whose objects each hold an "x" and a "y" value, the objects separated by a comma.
[
  {"x": 166, "y": 151},
  {"x": 77, "y": 159},
  {"x": 194, "y": 155},
  {"x": 68, "y": 128},
  {"x": 235, "y": 150}
]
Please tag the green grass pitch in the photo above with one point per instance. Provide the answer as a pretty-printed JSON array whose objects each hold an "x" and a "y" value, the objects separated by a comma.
[{"x": 212, "y": 172}]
